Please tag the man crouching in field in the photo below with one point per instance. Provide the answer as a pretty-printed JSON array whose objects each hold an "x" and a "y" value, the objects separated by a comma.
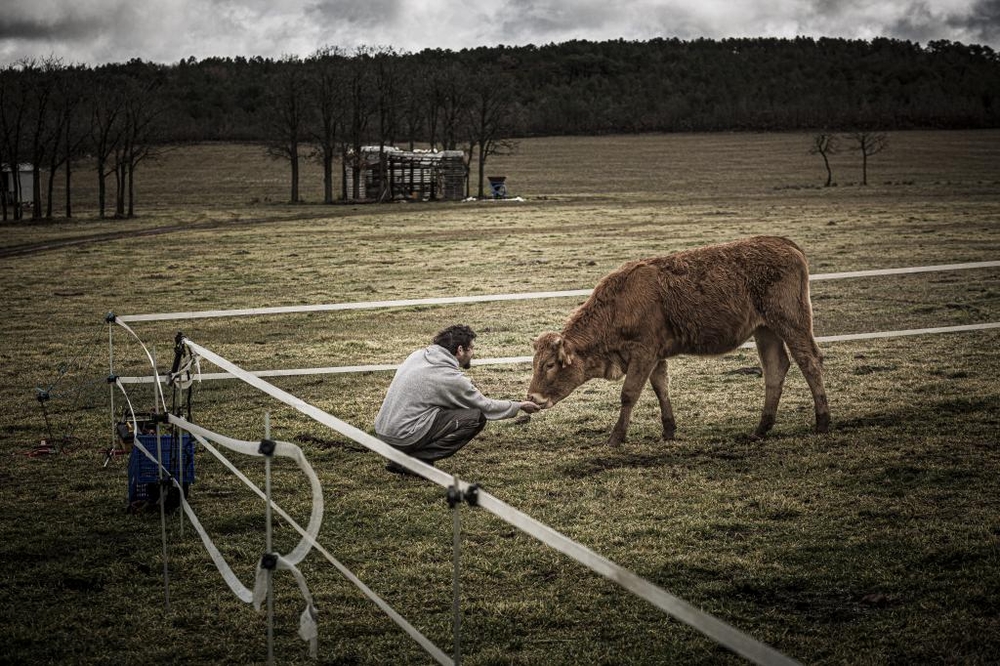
[{"x": 432, "y": 409}]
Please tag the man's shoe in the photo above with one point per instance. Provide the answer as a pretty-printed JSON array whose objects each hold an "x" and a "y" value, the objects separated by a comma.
[{"x": 396, "y": 468}]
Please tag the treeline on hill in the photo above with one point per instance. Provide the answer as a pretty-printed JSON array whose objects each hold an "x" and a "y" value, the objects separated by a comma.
[{"x": 330, "y": 104}]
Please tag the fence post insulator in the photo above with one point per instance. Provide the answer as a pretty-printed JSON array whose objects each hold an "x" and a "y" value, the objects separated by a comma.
[
  {"x": 266, "y": 447},
  {"x": 472, "y": 495}
]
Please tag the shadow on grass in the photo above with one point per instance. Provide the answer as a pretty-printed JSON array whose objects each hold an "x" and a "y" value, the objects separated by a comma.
[
  {"x": 660, "y": 455},
  {"x": 922, "y": 415}
]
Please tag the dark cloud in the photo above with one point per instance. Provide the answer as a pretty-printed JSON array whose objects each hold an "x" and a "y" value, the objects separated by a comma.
[
  {"x": 357, "y": 14},
  {"x": 982, "y": 22},
  {"x": 526, "y": 20},
  {"x": 917, "y": 25},
  {"x": 27, "y": 28}
]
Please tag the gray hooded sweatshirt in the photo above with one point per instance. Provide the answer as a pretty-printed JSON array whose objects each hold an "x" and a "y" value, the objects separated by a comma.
[{"x": 428, "y": 381}]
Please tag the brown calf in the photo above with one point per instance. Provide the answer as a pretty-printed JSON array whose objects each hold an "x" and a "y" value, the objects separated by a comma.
[{"x": 703, "y": 301}]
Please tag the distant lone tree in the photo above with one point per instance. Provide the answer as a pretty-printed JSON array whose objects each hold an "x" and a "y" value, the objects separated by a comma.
[
  {"x": 824, "y": 145},
  {"x": 868, "y": 144},
  {"x": 488, "y": 119}
]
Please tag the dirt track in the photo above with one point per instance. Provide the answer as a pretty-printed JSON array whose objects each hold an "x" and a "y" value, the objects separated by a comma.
[{"x": 86, "y": 239}]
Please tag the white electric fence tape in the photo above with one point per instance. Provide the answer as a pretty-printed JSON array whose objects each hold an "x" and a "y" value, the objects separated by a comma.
[
  {"x": 307, "y": 536},
  {"x": 344, "y": 369},
  {"x": 721, "y": 632},
  {"x": 307, "y": 621},
  {"x": 370, "y": 305},
  {"x": 152, "y": 364}
]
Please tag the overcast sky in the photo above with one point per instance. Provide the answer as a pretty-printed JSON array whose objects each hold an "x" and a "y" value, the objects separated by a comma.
[{"x": 100, "y": 31}]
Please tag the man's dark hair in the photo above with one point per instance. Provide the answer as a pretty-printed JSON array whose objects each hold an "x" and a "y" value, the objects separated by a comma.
[{"x": 453, "y": 337}]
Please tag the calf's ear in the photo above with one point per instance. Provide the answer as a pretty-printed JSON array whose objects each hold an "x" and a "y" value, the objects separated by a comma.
[
  {"x": 545, "y": 340},
  {"x": 563, "y": 353}
]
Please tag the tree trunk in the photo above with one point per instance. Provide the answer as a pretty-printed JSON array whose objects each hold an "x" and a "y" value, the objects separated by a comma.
[
  {"x": 102, "y": 189},
  {"x": 327, "y": 177},
  {"x": 131, "y": 191},
  {"x": 829, "y": 173},
  {"x": 69, "y": 177},
  {"x": 50, "y": 188},
  {"x": 482, "y": 168},
  {"x": 120, "y": 190},
  {"x": 343, "y": 172},
  {"x": 295, "y": 173},
  {"x": 36, "y": 192}
]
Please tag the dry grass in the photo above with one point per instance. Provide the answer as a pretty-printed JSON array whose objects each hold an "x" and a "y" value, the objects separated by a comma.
[{"x": 875, "y": 543}]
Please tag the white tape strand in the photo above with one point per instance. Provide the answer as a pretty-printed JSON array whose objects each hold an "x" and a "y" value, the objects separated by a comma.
[
  {"x": 149, "y": 357},
  {"x": 905, "y": 271},
  {"x": 510, "y": 360},
  {"x": 411, "y": 302},
  {"x": 282, "y": 449},
  {"x": 365, "y": 305}
]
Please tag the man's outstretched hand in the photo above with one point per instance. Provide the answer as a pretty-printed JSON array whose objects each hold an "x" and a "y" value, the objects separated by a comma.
[{"x": 529, "y": 407}]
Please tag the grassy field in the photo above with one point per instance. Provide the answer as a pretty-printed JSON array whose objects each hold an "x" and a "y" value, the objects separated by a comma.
[{"x": 876, "y": 543}]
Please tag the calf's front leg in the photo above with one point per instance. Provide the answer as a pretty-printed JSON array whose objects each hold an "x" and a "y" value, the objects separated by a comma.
[{"x": 635, "y": 378}]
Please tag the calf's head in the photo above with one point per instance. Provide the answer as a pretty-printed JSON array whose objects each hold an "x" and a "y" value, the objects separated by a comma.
[{"x": 556, "y": 370}]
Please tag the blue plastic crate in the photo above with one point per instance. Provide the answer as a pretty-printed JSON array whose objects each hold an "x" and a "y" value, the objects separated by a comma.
[{"x": 144, "y": 474}]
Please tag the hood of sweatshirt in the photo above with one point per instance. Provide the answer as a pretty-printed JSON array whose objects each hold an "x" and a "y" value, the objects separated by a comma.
[{"x": 438, "y": 355}]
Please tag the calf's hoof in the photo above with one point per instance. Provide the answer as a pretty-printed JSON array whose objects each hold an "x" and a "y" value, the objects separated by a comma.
[
  {"x": 764, "y": 427},
  {"x": 823, "y": 423},
  {"x": 615, "y": 440},
  {"x": 669, "y": 429}
]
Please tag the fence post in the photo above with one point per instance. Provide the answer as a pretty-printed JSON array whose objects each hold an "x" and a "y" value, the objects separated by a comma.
[
  {"x": 455, "y": 501},
  {"x": 163, "y": 510},
  {"x": 110, "y": 319},
  {"x": 268, "y": 453}
]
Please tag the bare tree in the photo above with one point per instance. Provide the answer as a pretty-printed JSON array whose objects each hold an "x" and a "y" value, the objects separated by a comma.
[
  {"x": 386, "y": 70},
  {"x": 70, "y": 98},
  {"x": 360, "y": 105},
  {"x": 414, "y": 104},
  {"x": 106, "y": 128},
  {"x": 825, "y": 144},
  {"x": 13, "y": 121},
  {"x": 868, "y": 144},
  {"x": 42, "y": 122},
  {"x": 287, "y": 114},
  {"x": 453, "y": 100},
  {"x": 488, "y": 119},
  {"x": 327, "y": 83},
  {"x": 140, "y": 112}
]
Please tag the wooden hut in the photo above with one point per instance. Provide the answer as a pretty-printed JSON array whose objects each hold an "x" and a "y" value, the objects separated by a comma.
[{"x": 413, "y": 175}]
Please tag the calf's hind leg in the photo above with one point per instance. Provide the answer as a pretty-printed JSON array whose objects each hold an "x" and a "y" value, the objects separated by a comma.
[
  {"x": 659, "y": 379},
  {"x": 809, "y": 359},
  {"x": 774, "y": 362}
]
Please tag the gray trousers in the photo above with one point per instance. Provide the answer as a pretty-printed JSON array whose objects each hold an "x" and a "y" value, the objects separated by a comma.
[{"x": 452, "y": 429}]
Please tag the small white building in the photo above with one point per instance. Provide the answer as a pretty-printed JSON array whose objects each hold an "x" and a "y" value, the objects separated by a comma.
[{"x": 16, "y": 189}]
